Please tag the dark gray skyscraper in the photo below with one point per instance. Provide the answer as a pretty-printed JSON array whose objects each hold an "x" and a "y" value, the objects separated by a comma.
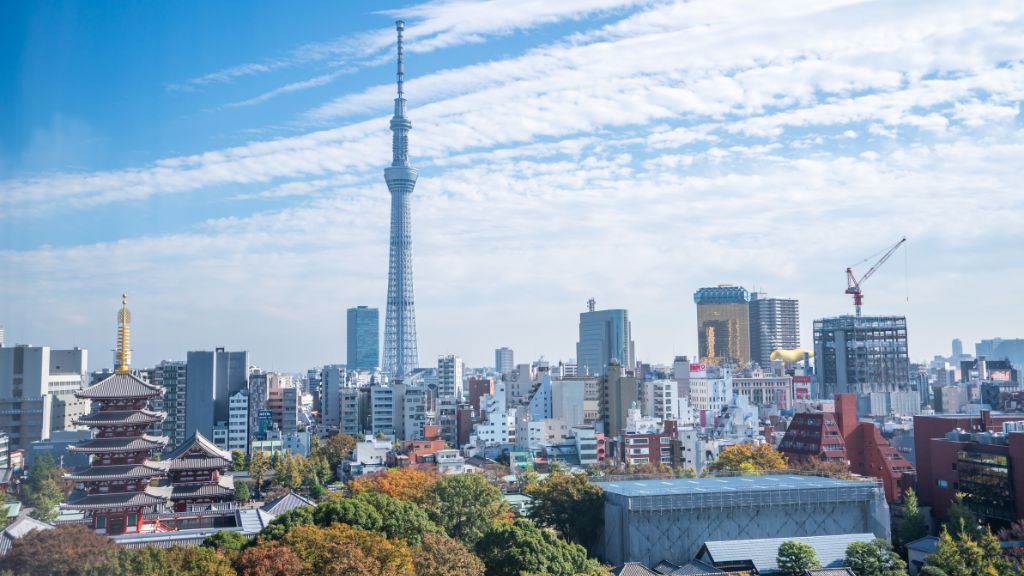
[
  {"x": 363, "y": 338},
  {"x": 774, "y": 325},
  {"x": 211, "y": 378},
  {"x": 401, "y": 355}
]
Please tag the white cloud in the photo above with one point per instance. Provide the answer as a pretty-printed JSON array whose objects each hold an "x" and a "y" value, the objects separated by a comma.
[{"x": 685, "y": 145}]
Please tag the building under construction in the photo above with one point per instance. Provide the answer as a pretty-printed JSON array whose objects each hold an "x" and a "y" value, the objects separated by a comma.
[
  {"x": 649, "y": 521},
  {"x": 861, "y": 354}
]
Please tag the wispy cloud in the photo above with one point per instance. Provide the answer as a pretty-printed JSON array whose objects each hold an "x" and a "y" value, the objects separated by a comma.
[{"x": 683, "y": 144}]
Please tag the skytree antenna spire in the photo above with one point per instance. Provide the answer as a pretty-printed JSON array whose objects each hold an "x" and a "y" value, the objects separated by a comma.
[{"x": 401, "y": 354}]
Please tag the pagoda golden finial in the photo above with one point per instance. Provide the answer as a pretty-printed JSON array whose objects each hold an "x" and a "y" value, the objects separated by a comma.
[{"x": 124, "y": 337}]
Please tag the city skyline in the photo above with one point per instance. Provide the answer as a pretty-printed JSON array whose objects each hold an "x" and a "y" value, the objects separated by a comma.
[{"x": 629, "y": 152}]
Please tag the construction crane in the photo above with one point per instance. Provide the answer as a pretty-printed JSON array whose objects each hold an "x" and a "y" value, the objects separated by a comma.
[{"x": 853, "y": 284}]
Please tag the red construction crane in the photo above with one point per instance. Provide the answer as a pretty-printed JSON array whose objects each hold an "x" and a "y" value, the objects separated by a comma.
[{"x": 853, "y": 285}]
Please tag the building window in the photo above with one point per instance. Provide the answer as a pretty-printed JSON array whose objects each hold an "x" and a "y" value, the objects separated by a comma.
[
  {"x": 942, "y": 484},
  {"x": 101, "y": 522}
]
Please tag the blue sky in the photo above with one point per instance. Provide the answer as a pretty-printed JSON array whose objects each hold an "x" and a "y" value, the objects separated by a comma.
[{"x": 222, "y": 162}]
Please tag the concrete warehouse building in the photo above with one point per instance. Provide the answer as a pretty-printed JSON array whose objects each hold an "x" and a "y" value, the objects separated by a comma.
[{"x": 649, "y": 521}]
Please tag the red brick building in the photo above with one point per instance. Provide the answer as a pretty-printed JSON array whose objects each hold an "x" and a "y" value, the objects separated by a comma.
[
  {"x": 653, "y": 448},
  {"x": 944, "y": 460},
  {"x": 841, "y": 437}
]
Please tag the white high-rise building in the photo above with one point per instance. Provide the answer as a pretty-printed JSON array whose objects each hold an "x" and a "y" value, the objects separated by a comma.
[
  {"x": 238, "y": 421},
  {"x": 37, "y": 391},
  {"x": 711, "y": 389},
  {"x": 414, "y": 411},
  {"x": 387, "y": 409},
  {"x": 449, "y": 376}
]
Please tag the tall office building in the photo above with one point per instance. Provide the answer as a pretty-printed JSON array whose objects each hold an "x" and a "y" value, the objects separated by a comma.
[
  {"x": 172, "y": 377},
  {"x": 774, "y": 325},
  {"x": 605, "y": 335},
  {"x": 504, "y": 361},
  {"x": 861, "y": 354},
  {"x": 723, "y": 324},
  {"x": 213, "y": 377},
  {"x": 449, "y": 376},
  {"x": 333, "y": 381},
  {"x": 618, "y": 391},
  {"x": 401, "y": 355},
  {"x": 363, "y": 338},
  {"x": 958, "y": 349},
  {"x": 37, "y": 391}
]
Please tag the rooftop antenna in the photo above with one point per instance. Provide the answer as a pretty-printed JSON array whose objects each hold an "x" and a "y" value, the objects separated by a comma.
[
  {"x": 591, "y": 304},
  {"x": 400, "y": 27}
]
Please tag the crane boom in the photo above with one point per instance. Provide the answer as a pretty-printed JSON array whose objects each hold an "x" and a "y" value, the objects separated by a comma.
[{"x": 853, "y": 284}]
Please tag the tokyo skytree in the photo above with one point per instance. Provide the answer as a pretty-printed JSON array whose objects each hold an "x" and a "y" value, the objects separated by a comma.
[{"x": 400, "y": 352}]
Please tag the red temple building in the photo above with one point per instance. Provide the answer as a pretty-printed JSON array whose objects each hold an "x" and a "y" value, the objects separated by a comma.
[
  {"x": 114, "y": 491},
  {"x": 196, "y": 474}
]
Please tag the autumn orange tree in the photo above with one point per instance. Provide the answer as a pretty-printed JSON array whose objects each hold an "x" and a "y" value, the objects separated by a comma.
[
  {"x": 748, "y": 458},
  {"x": 269, "y": 560},
  {"x": 340, "y": 550},
  {"x": 406, "y": 484}
]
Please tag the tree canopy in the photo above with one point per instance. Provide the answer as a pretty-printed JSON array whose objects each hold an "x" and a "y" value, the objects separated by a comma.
[
  {"x": 963, "y": 555},
  {"x": 407, "y": 484},
  {"x": 748, "y": 458},
  {"x": 512, "y": 548},
  {"x": 795, "y": 558},
  {"x": 569, "y": 504},
  {"x": 465, "y": 505},
  {"x": 67, "y": 550},
  {"x": 342, "y": 550},
  {"x": 875, "y": 558},
  {"x": 439, "y": 555}
]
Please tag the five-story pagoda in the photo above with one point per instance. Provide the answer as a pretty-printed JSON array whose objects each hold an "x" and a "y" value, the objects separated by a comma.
[{"x": 114, "y": 491}]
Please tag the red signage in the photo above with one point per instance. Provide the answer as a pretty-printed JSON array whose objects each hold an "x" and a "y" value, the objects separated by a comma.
[
  {"x": 697, "y": 367},
  {"x": 801, "y": 379}
]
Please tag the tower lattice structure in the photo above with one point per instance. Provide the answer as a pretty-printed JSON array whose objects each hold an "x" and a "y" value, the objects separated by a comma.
[{"x": 400, "y": 351}]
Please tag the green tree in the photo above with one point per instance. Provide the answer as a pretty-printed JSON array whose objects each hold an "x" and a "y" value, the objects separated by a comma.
[
  {"x": 226, "y": 541},
  {"x": 259, "y": 465},
  {"x": 67, "y": 550},
  {"x": 963, "y": 555},
  {"x": 570, "y": 504},
  {"x": 795, "y": 558},
  {"x": 280, "y": 526},
  {"x": 913, "y": 525},
  {"x": 374, "y": 512},
  {"x": 242, "y": 492},
  {"x": 42, "y": 489},
  {"x": 875, "y": 558},
  {"x": 962, "y": 519},
  {"x": 439, "y": 555},
  {"x": 513, "y": 548},
  {"x": 237, "y": 460},
  {"x": 465, "y": 505}
]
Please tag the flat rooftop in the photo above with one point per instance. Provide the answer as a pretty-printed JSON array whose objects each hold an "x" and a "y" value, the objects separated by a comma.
[{"x": 728, "y": 484}]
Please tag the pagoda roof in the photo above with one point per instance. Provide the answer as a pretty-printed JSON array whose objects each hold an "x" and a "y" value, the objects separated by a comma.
[
  {"x": 224, "y": 488},
  {"x": 83, "y": 501},
  {"x": 123, "y": 444},
  {"x": 117, "y": 385},
  {"x": 120, "y": 471},
  {"x": 116, "y": 417},
  {"x": 195, "y": 464},
  {"x": 198, "y": 446}
]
